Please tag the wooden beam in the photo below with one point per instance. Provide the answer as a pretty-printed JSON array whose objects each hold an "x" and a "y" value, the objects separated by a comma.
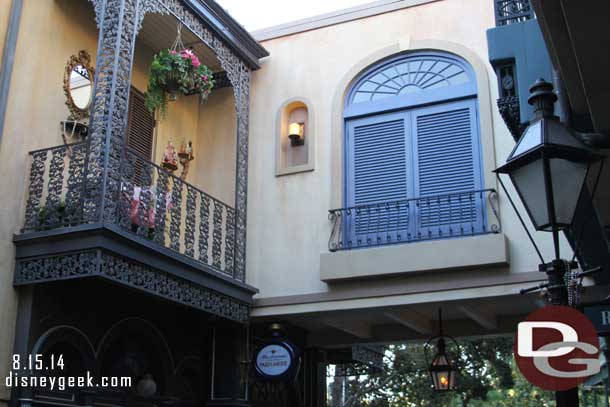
[
  {"x": 359, "y": 329},
  {"x": 486, "y": 319},
  {"x": 412, "y": 320}
]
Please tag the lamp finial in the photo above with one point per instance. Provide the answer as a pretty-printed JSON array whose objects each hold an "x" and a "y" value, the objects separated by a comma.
[{"x": 542, "y": 98}]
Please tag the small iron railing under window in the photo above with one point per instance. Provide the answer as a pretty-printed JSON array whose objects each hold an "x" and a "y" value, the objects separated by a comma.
[
  {"x": 450, "y": 215},
  {"x": 512, "y": 11}
]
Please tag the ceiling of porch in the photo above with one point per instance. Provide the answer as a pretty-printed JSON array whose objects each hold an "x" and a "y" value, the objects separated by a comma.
[
  {"x": 477, "y": 317},
  {"x": 159, "y": 32}
]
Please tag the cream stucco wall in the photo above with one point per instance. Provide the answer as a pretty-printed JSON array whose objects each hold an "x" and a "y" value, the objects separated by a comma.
[
  {"x": 216, "y": 147},
  {"x": 288, "y": 226},
  {"x": 211, "y": 126},
  {"x": 5, "y": 10}
]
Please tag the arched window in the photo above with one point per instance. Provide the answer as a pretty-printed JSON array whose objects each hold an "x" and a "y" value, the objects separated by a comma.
[{"x": 413, "y": 161}]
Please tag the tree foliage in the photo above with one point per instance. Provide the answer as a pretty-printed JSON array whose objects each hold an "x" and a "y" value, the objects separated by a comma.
[{"x": 487, "y": 377}]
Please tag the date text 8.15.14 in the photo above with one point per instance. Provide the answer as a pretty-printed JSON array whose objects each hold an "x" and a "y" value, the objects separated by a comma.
[{"x": 37, "y": 362}]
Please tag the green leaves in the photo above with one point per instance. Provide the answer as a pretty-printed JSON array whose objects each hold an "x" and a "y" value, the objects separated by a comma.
[
  {"x": 172, "y": 71},
  {"x": 487, "y": 377}
]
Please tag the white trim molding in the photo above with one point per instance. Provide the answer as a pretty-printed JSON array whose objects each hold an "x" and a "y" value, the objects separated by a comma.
[{"x": 335, "y": 17}]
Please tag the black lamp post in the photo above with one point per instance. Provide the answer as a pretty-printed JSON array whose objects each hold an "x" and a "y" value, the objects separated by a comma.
[
  {"x": 548, "y": 168},
  {"x": 442, "y": 371}
]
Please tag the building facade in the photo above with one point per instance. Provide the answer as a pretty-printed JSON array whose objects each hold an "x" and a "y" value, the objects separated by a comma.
[{"x": 336, "y": 185}]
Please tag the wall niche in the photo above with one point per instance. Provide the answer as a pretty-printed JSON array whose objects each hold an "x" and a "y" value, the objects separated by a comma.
[{"x": 294, "y": 138}]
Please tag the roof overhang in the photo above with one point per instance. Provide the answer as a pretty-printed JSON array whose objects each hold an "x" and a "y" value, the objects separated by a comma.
[
  {"x": 577, "y": 35},
  {"x": 229, "y": 30}
]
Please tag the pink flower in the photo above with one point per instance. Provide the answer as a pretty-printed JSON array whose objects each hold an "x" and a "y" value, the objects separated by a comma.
[
  {"x": 173, "y": 52},
  {"x": 204, "y": 77},
  {"x": 188, "y": 54}
]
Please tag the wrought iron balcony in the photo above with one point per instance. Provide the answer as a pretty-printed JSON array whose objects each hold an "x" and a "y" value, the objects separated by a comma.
[
  {"x": 509, "y": 110},
  {"x": 410, "y": 220},
  {"x": 158, "y": 207},
  {"x": 512, "y": 11}
]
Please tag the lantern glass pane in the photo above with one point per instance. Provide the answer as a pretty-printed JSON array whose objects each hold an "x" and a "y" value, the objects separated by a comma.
[
  {"x": 443, "y": 374},
  {"x": 529, "y": 182},
  {"x": 435, "y": 382},
  {"x": 443, "y": 380},
  {"x": 568, "y": 179},
  {"x": 530, "y": 139},
  {"x": 440, "y": 360}
]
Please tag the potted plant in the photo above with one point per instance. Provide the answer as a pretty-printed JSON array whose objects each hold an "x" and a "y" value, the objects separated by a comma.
[{"x": 173, "y": 71}]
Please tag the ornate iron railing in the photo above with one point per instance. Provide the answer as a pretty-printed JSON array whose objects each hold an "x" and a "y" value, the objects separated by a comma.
[
  {"x": 432, "y": 217},
  {"x": 512, "y": 11},
  {"x": 151, "y": 202},
  {"x": 56, "y": 187},
  {"x": 173, "y": 213},
  {"x": 509, "y": 110}
]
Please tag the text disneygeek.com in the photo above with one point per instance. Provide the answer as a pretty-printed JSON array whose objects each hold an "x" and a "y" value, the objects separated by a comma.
[
  {"x": 26, "y": 372},
  {"x": 63, "y": 382}
]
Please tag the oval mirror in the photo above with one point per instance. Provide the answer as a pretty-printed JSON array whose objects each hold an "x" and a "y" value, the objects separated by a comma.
[
  {"x": 79, "y": 77},
  {"x": 81, "y": 86}
]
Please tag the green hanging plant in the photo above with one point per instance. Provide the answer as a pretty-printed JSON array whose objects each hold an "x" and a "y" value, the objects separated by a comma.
[{"x": 173, "y": 71}]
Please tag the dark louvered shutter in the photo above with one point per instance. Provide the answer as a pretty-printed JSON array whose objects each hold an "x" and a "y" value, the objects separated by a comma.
[
  {"x": 377, "y": 175},
  {"x": 140, "y": 125},
  {"x": 448, "y": 163}
]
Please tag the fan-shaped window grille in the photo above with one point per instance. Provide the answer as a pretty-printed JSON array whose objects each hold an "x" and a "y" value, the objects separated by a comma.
[{"x": 412, "y": 74}]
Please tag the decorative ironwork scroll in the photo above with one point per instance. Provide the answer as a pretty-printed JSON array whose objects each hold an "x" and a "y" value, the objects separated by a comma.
[
  {"x": 62, "y": 190},
  {"x": 513, "y": 11},
  {"x": 509, "y": 110},
  {"x": 35, "y": 190},
  {"x": 117, "y": 22},
  {"x": 129, "y": 273}
]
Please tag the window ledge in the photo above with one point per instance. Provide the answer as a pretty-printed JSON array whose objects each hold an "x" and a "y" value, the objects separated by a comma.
[
  {"x": 459, "y": 253},
  {"x": 294, "y": 170}
]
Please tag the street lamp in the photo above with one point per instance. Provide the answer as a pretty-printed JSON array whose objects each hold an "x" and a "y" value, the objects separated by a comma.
[
  {"x": 442, "y": 371},
  {"x": 548, "y": 168},
  {"x": 549, "y": 164}
]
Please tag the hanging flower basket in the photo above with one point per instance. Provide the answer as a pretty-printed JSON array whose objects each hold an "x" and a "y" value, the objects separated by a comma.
[{"x": 173, "y": 72}]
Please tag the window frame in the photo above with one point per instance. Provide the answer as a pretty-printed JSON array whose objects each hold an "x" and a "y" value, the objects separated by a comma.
[{"x": 407, "y": 104}]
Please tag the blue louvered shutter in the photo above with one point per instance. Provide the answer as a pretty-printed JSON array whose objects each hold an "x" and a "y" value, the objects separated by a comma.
[
  {"x": 447, "y": 153},
  {"x": 378, "y": 177}
]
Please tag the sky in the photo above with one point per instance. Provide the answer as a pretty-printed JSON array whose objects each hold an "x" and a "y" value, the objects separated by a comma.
[{"x": 257, "y": 14}]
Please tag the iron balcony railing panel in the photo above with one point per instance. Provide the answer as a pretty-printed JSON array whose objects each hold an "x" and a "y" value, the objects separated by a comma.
[
  {"x": 161, "y": 207},
  {"x": 151, "y": 202},
  {"x": 456, "y": 214},
  {"x": 55, "y": 195},
  {"x": 512, "y": 11}
]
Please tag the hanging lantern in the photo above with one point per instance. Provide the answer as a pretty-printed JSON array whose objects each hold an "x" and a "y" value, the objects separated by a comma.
[{"x": 442, "y": 370}]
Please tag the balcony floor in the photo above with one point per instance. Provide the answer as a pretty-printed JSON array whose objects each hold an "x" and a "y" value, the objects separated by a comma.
[{"x": 111, "y": 253}]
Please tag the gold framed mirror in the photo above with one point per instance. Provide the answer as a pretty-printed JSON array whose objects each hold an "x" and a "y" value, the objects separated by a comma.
[{"x": 78, "y": 84}]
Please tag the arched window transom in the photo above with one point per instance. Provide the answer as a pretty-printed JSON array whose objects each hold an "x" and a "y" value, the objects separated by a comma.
[{"x": 408, "y": 75}]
